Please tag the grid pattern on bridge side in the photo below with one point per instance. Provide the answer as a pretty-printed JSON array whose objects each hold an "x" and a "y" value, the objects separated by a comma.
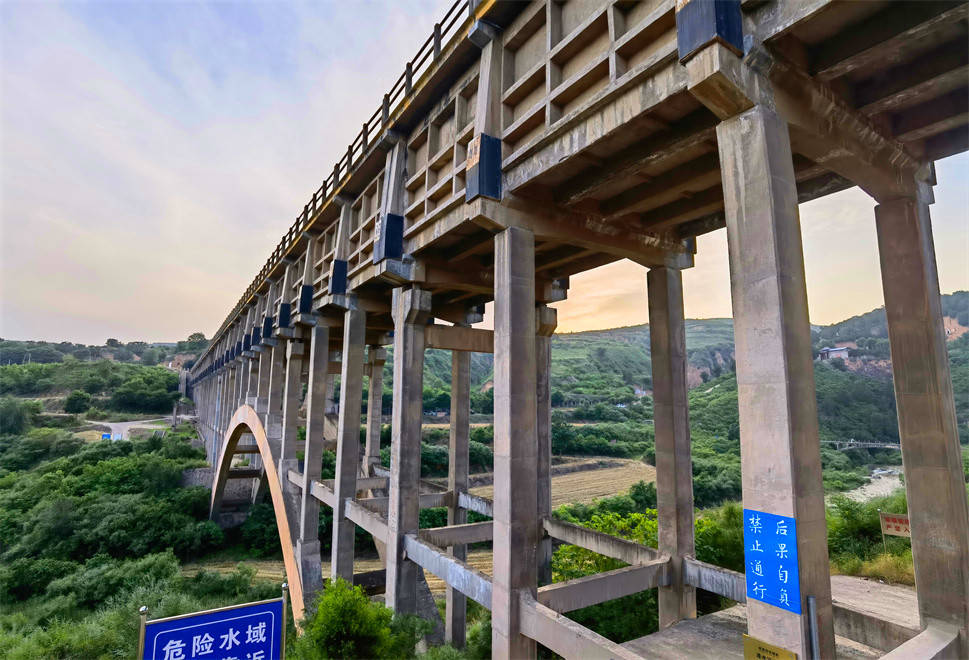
[{"x": 446, "y": 32}]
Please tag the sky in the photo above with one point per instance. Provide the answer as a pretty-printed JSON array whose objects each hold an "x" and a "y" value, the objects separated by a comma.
[{"x": 152, "y": 154}]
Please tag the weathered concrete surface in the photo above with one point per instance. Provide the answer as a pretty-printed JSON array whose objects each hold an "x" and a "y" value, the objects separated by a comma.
[
  {"x": 457, "y": 479},
  {"x": 516, "y": 524},
  {"x": 411, "y": 309},
  {"x": 718, "y": 636},
  {"x": 674, "y": 469},
  {"x": 779, "y": 450},
  {"x": 934, "y": 482}
]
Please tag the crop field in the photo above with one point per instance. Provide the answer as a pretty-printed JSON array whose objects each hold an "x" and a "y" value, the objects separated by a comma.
[{"x": 591, "y": 484}]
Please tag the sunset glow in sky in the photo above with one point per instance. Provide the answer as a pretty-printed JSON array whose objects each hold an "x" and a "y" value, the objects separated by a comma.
[{"x": 152, "y": 154}]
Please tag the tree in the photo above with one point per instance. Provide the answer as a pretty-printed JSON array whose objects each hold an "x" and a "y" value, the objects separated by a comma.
[
  {"x": 196, "y": 337},
  {"x": 150, "y": 357},
  {"x": 77, "y": 401},
  {"x": 113, "y": 343}
]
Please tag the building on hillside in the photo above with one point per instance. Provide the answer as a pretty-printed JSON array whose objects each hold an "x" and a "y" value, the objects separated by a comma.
[{"x": 828, "y": 353}]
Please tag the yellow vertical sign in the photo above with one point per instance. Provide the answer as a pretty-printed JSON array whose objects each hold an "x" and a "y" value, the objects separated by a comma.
[{"x": 755, "y": 649}]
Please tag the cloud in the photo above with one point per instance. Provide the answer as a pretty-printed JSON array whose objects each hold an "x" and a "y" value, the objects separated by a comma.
[{"x": 152, "y": 154}]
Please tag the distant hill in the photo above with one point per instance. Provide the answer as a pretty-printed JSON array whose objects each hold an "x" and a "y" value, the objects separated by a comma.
[
  {"x": 614, "y": 365},
  {"x": 43, "y": 352}
]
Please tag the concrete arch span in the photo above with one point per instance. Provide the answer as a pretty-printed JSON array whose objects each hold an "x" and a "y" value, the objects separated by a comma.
[{"x": 244, "y": 421}]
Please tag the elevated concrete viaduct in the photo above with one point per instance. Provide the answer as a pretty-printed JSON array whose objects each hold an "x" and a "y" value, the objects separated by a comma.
[{"x": 530, "y": 141}]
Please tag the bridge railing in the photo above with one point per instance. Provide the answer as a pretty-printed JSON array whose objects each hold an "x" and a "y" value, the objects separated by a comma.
[{"x": 444, "y": 32}]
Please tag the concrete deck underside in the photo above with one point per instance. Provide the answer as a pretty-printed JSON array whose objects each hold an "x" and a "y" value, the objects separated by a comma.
[{"x": 719, "y": 636}]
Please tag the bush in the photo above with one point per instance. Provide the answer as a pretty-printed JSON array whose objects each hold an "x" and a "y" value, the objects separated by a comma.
[
  {"x": 16, "y": 415},
  {"x": 77, "y": 401},
  {"x": 24, "y": 578},
  {"x": 347, "y": 624}
]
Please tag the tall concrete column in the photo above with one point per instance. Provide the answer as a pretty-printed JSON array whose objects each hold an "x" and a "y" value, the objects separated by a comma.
[
  {"x": 546, "y": 319},
  {"x": 457, "y": 482},
  {"x": 230, "y": 403},
  {"x": 411, "y": 308},
  {"x": 273, "y": 417},
  {"x": 264, "y": 371},
  {"x": 292, "y": 391},
  {"x": 779, "y": 449},
  {"x": 516, "y": 525},
  {"x": 931, "y": 455},
  {"x": 376, "y": 357},
  {"x": 292, "y": 395},
  {"x": 671, "y": 415},
  {"x": 308, "y": 544},
  {"x": 348, "y": 441}
]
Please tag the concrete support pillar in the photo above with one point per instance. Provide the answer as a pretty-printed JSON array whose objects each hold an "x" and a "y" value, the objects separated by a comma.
[
  {"x": 546, "y": 320},
  {"x": 292, "y": 398},
  {"x": 308, "y": 544},
  {"x": 264, "y": 370},
  {"x": 273, "y": 417},
  {"x": 516, "y": 525},
  {"x": 376, "y": 357},
  {"x": 348, "y": 441},
  {"x": 457, "y": 482},
  {"x": 411, "y": 308},
  {"x": 292, "y": 391},
  {"x": 671, "y": 415},
  {"x": 931, "y": 455},
  {"x": 230, "y": 400},
  {"x": 242, "y": 375},
  {"x": 780, "y": 454}
]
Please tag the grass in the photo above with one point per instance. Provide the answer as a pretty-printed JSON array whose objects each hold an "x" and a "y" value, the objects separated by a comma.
[{"x": 887, "y": 567}]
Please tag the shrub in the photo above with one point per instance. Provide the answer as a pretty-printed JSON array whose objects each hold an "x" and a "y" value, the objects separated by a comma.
[
  {"x": 347, "y": 624},
  {"x": 16, "y": 415},
  {"x": 23, "y": 578},
  {"x": 77, "y": 401}
]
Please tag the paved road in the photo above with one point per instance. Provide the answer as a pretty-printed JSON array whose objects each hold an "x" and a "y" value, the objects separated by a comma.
[{"x": 124, "y": 428}]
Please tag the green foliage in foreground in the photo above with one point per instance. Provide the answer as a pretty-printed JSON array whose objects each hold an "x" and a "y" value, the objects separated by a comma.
[
  {"x": 89, "y": 610},
  {"x": 347, "y": 624}
]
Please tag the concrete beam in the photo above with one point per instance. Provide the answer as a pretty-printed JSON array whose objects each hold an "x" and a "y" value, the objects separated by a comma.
[
  {"x": 476, "y": 503},
  {"x": 600, "y": 543},
  {"x": 564, "y": 636},
  {"x": 457, "y": 534},
  {"x": 601, "y": 587},
  {"x": 473, "y": 584},
  {"x": 459, "y": 338},
  {"x": 547, "y": 222},
  {"x": 715, "y": 579},
  {"x": 937, "y": 642},
  {"x": 868, "y": 630},
  {"x": 374, "y": 523},
  {"x": 427, "y": 501}
]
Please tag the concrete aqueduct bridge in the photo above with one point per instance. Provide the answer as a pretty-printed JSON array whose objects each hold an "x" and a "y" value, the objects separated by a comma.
[{"x": 530, "y": 141}]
